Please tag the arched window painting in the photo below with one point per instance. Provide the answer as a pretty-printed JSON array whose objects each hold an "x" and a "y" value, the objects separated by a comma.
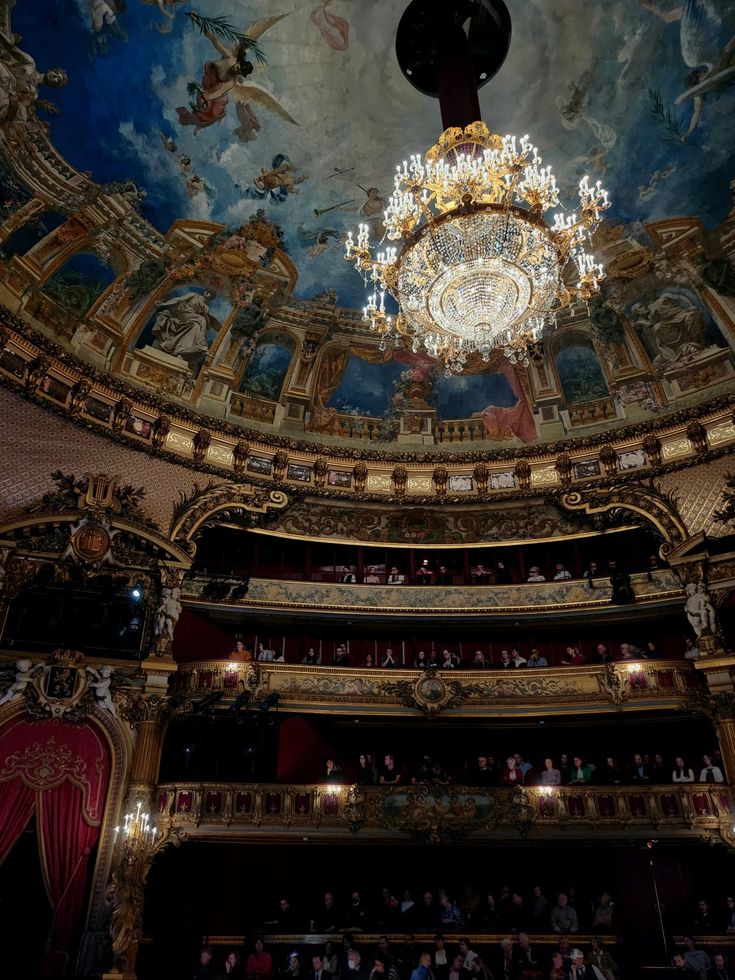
[
  {"x": 580, "y": 373},
  {"x": 461, "y": 397},
  {"x": 78, "y": 283},
  {"x": 185, "y": 323},
  {"x": 365, "y": 388},
  {"x": 23, "y": 239},
  {"x": 266, "y": 370},
  {"x": 673, "y": 325}
]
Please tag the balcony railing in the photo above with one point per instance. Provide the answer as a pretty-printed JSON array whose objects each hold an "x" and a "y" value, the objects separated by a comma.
[
  {"x": 541, "y": 597},
  {"x": 557, "y": 690},
  {"x": 439, "y": 813}
]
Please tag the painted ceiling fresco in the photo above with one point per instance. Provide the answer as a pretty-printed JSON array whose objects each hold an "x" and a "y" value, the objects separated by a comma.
[{"x": 639, "y": 93}]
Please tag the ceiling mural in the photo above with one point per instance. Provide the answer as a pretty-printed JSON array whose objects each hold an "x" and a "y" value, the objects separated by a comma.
[
  {"x": 309, "y": 121},
  {"x": 251, "y": 137}
]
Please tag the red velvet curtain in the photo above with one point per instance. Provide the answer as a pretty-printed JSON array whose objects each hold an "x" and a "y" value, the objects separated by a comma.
[
  {"x": 16, "y": 807},
  {"x": 61, "y": 770}
]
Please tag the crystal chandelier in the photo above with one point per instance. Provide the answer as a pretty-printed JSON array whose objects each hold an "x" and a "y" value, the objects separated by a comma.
[{"x": 479, "y": 267}]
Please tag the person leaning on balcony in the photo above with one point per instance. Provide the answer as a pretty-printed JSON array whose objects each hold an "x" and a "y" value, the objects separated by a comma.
[
  {"x": 563, "y": 917},
  {"x": 710, "y": 773}
]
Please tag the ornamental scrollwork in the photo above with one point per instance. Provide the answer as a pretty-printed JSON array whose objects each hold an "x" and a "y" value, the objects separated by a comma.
[
  {"x": 222, "y": 501},
  {"x": 647, "y": 501}
]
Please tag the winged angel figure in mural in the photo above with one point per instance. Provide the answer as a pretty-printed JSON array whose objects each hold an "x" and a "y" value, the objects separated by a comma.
[{"x": 227, "y": 77}]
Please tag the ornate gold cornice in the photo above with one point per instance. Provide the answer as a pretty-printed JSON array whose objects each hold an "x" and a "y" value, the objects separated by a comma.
[
  {"x": 98, "y": 401},
  {"x": 640, "y": 685}
]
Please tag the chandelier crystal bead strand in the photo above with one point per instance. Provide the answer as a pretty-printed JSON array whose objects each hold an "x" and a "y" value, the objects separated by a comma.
[{"x": 479, "y": 267}]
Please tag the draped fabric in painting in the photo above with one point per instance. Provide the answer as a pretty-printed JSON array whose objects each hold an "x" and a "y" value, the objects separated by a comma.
[{"x": 61, "y": 771}]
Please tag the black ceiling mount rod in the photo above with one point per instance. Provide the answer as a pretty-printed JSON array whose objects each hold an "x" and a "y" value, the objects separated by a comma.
[{"x": 448, "y": 49}]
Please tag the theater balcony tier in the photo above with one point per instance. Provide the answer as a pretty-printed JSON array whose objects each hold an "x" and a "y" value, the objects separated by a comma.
[
  {"x": 536, "y": 600},
  {"x": 630, "y": 686},
  {"x": 439, "y": 813}
]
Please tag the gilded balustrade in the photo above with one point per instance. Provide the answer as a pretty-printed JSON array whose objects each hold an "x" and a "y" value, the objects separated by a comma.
[
  {"x": 494, "y": 600},
  {"x": 439, "y": 813},
  {"x": 631, "y": 686}
]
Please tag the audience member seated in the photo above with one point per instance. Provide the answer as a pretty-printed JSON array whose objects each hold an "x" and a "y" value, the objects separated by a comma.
[
  {"x": 395, "y": 577},
  {"x": 347, "y": 576},
  {"x": 389, "y": 773},
  {"x": 561, "y": 573},
  {"x": 341, "y": 656},
  {"x": 423, "y": 970},
  {"x": 447, "y": 661},
  {"x": 206, "y": 969},
  {"x": 512, "y": 775},
  {"x": 424, "y": 574},
  {"x": 719, "y": 969},
  {"x": 549, "y": 775},
  {"x": 420, "y": 661},
  {"x": 444, "y": 576},
  {"x": 523, "y": 764},
  {"x": 602, "y": 920},
  {"x": 503, "y": 575},
  {"x": 433, "y": 661},
  {"x": 265, "y": 655},
  {"x": 232, "y": 968},
  {"x": 651, "y": 651},
  {"x": 312, "y": 657},
  {"x": 613, "y": 772},
  {"x": 241, "y": 654},
  {"x": 369, "y": 661},
  {"x": 682, "y": 772},
  {"x": 327, "y": 918},
  {"x": 372, "y": 577},
  {"x": 478, "y": 661},
  {"x": 602, "y": 654},
  {"x": 332, "y": 772},
  {"x": 330, "y": 960},
  {"x": 640, "y": 771},
  {"x": 422, "y": 773},
  {"x": 516, "y": 659},
  {"x": 388, "y": 659},
  {"x": 366, "y": 775},
  {"x": 728, "y": 917},
  {"x": 439, "y": 775},
  {"x": 481, "y": 575},
  {"x": 696, "y": 959},
  {"x": 622, "y": 589},
  {"x": 590, "y": 574},
  {"x": 702, "y": 921},
  {"x": 259, "y": 963},
  {"x": 659, "y": 770},
  {"x": 581, "y": 772},
  {"x": 505, "y": 660},
  {"x": 573, "y": 657},
  {"x": 450, "y": 915},
  {"x": 598, "y": 956},
  {"x": 484, "y": 772},
  {"x": 710, "y": 772},
  {"x": 563, "y": 918},
  {"x": 534, "y": 575},
  {"x": 536, "y": 660},
  {"x": 691, "y": 650}
]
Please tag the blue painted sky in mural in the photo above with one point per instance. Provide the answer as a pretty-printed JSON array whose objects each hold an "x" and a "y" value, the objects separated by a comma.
[
  {"x": 583, "y": 80},
  {"x": 366, "y": 387}
]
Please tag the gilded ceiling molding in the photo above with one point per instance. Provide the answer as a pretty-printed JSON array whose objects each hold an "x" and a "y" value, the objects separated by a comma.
[
  {"x": 643, "y": 499},
  {"x": 215, "y": 503}
]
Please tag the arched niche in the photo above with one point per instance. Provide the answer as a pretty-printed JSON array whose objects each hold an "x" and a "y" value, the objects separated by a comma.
[
  {"x": 268, "y": 366},
  {"x": 30, "y": 233},
  {"x": 580, "y": 372},
  {"x": 79, "y": 282},
  {"x": 183, "y": 323}
]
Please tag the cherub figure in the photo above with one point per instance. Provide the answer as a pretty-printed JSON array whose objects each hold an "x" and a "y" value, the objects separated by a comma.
[
  {"x": 168, "y": 612},
  {"x": 23, "y": 677},
  {"x": 101, "y": 686},
  {"x": 699, "y": 609}
]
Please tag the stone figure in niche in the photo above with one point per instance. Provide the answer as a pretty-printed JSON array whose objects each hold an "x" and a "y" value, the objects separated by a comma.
[
  {"x": 250, "y": 318},
  {"x": 101, "y": 684},
  {"x": 699, "y": 609},
  {"x": 145, "y": 278},
  {"x": 182, "y": 325},
  {"x": 168, "y": 612},
  {"x": 676, "y": 325}
]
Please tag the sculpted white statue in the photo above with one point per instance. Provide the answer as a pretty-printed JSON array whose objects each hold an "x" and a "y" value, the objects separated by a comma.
[
  {"x": 23, "y": 677},
  {"x": 101, "y": 685},
  {"x": 168, "y": 612},
  {"x": 699, "y": 609},
  {"x": 182, "y": 325},
  {"x": 19, "y": 83}
]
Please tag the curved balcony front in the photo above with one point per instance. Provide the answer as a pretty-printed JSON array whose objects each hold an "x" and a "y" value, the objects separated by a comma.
[
  {"x": 439, "y": 813},
  {"x": 630, "y": 686},
  {"x": 531, "y": 600}
]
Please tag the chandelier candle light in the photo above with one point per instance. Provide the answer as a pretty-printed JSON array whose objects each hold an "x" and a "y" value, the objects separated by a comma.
[{"x": 479, "y": 267}]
